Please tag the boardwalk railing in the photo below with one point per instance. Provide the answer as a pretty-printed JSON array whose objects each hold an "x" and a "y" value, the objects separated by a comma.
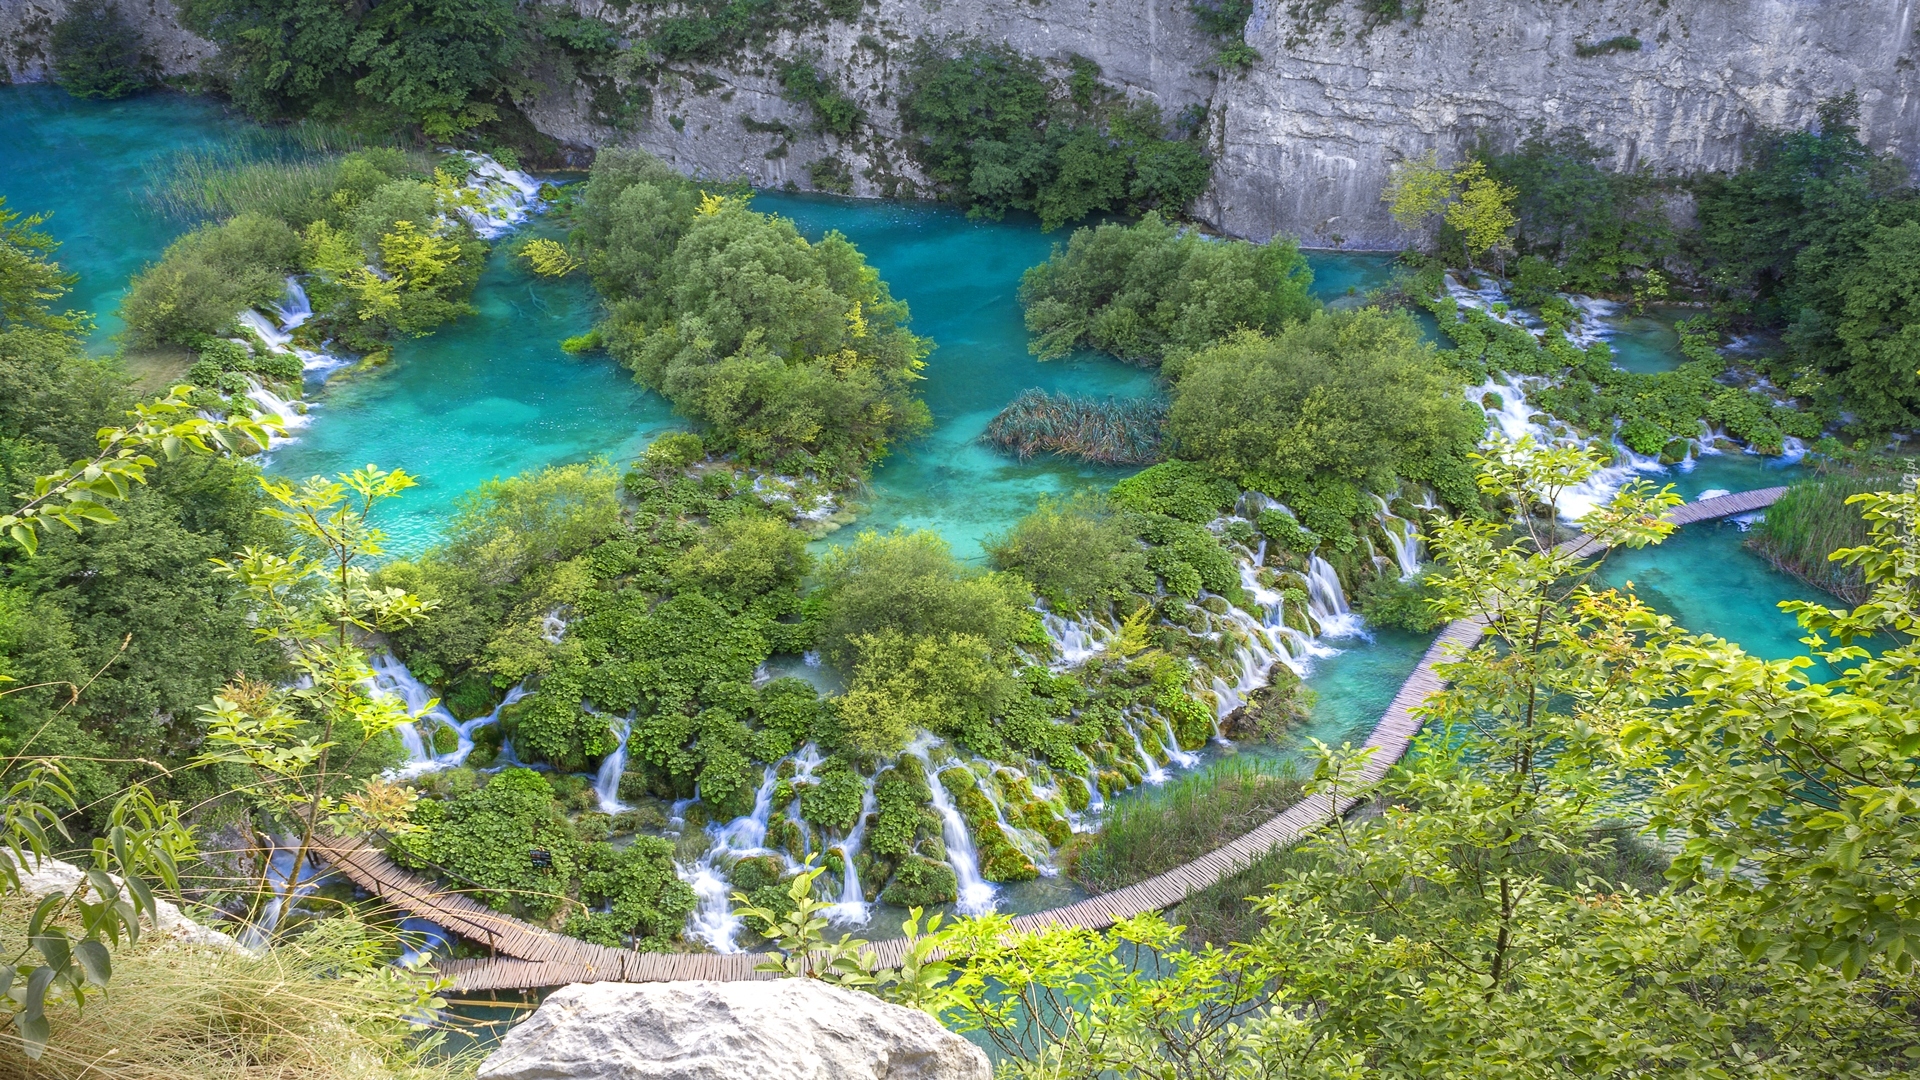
[{"x": 528, "y": 957}]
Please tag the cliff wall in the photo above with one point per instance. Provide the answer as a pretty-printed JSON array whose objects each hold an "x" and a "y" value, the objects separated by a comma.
[{"x": 1304, "y": 138}]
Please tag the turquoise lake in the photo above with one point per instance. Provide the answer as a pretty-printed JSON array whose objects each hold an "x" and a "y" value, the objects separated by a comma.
[{"x": 493, "y": 395}]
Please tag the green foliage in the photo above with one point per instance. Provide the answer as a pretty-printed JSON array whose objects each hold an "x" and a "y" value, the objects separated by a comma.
[
  {"x": 715, "y": 30},
  {"x": 488, "y": 838},
  {"x": 1000, "y": 859},
  {"x": 802, "y": 81},
  {"x": 430, "y": 63},
  {"x": 1114, "y": 431},
  {"x": 921, "y": 882},
  {"x": 1814, "y": 233},
  {"x": 1178, "y": 489},
  {"x": 1355, "y": 398},
  {"x": 96, "y": 52},
  {"x": 795, "y": 355},
  {"x": 1078, "y": 554},
  {"x": 1146, "y": 290},
  {"x": 1589, "y": 229},
  {"x": 992, "y": 130},
  {"x": 1401, "y": 605},
  {"x": 209, "y": 276},
  {"x": 1617, "y": 44}
]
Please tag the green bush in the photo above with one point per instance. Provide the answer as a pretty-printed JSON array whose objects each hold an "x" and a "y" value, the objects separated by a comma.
[
  {"x": 96, "y": 52},
  {"x": 921, "y": 882},
  {"x": 793, "y": 354},
  {"x": 1356, "y": 398},
  {"x": 1144, "y": 290},
  {"x": 989, "y": 127},
  {"x": 1077, "y": 553},
  {"x": 802, "y": 81},
  {"x": 1178, "y": 489},
  {"x": 208, "y": 277},
  {"x": 1401, "y": 605}
]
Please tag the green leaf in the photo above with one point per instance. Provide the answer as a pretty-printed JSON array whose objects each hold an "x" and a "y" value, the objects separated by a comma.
[
  {"x": 53, "y": 944},
  {"x": 45, "y": 908},
  {"x": 95, "y": 960}
]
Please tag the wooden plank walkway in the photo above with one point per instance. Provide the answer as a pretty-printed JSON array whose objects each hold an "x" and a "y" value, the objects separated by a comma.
[{"x": 529, "y": 957}]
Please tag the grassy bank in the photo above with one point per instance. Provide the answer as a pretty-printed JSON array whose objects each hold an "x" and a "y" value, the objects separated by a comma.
[
  {"x": 1810, "y": 522},
  {"x": 1192, "y": 815}
]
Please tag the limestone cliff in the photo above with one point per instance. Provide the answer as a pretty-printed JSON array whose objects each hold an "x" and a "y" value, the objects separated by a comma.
[
  {"x": 1303, "y": 138},
  {"x": 25, "y": 26}
]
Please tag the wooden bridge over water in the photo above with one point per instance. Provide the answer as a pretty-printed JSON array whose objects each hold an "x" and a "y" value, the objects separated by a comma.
[{"x": 528, "y": 957}]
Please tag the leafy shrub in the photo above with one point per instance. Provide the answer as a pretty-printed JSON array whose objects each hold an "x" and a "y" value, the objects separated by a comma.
[
  {"x": 802, "y": 81},
  {"x": 921, "y": 882},
  {"x": 1178, "y": 489},
  {"x": 96, "y": 52},
  {"x": 1352, "y": 397},
  {"x": 209, "y": 276},
  {"x": 1077, "y": 553},
  {"x": 990, "y": 128},
  {"x": 794, "y": 354},
  {"x": 1141, "y": 291},
  {"x": 1402, "y": 605}
]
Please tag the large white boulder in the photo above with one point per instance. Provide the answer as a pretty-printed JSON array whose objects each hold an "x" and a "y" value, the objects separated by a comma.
[
  {"x": 791, "y": 1029},
  {"x": 55, "y": 875}
]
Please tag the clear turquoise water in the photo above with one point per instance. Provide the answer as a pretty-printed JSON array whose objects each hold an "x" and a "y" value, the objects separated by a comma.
[
  {"x": 1648, "y": 344},
  {"x": 85, "y": 163}
]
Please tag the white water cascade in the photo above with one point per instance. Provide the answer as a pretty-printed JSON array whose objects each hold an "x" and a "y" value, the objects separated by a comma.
[
  {"x": 1075, "y": 640},
  {"x": 391, "y": 677},
  {"x": 976, "y": 894},
  {"x": 606, "y": 783},
  {"x": 505, "y": 196},
  {"x": 1404, "y": 537},
  {"x": 1514, "y": 419},
  {"x": 287, "y": 888},
  {"x": 713, "y": 921},
  {"x": 1327, "y": 601},
  {"x": 852, "y": 908},
  {"x": 1150, "y": 770}
]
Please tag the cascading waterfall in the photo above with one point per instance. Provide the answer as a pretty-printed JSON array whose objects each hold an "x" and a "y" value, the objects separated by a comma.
[
  {"x": 392, "y": 678},
  {"x": 1150, "y": 770},
  {"x": 852, "y": 908},
  {"x": 1515, "y": 421},
  {"x": 606, "y": 783},
  {"x": 1404, "y": 537},
  {"x": 1075, "y": 640},
  {"x": 976, "y": 894},
  {"x": 287, "y": 888},
  {"x": 1327, "y": 601},
  {"x": 713, "y": 920},
  {"x": 506, "y": 196}
]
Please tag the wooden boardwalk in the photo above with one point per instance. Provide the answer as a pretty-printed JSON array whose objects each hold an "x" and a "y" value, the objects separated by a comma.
[{"x": 528, "y": 957}]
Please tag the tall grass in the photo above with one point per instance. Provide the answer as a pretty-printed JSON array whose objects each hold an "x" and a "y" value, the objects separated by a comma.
[
  {"x": 1146, "y": 835},
  {"x": 287, "y": 173},
  {"x": 324, "y": 1006},
  {"x": 1113, "y": 431},
  {"x": 1811, "y": 521}
]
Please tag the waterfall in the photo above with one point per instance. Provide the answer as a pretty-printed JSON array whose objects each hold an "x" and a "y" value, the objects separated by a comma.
[
  {"x": 291, "y": 417},
  {"x": 276, "y": 332},
  {"x": 552, "y": 627},
  {"x": 1327, "y": 601},
  {"x": 430, "y": 936},
  {"x": 1075, "y": 640},
  {"x": 1404, "y": 538},
  {"x": 852, "y": 908},
  {"x": 1182, "y": 758},
  {"x": 606, "y": 783},
  {"x": 713, "y": 920},
  {"x": 976, "y": 894},
  {"x": 506, "y": 196},
  {"x": 1150, "y": 770},
  {"x": 391, "y": 678},
  {"x": 287, "y": 888}
]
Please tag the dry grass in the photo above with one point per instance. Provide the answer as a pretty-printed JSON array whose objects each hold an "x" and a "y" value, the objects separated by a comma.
[{"x": 325, "y": 1007}]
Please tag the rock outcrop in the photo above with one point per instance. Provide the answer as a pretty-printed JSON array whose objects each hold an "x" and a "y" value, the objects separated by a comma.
[
  {"x": 26, "y": 25},
  {"x": 794, "y": 1029},
  {"x": 54, "y": 875},
  {"x": 1304, "y": 137}
]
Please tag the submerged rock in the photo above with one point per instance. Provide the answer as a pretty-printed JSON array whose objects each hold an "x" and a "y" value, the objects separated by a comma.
[{"x": 796, "y": 1029}]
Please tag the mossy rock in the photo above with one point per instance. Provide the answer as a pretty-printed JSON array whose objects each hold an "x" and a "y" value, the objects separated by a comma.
[
  {"x": 445, "y": 739},
  {"x": 1074, "y": 791},
  {"x": 1675, "y": 452},
  {"x": 921, "y": 882},
  {"x": 592, "y": 827},
  {"x": 785, "y": 834},
  {"x": 1005, "y": 863},
  {"x": 470, "y": 695},
  {"x": 1216, "y": 604},
  {"x": 757, "y": 872},
  {"x": 1042, "y": 819}
]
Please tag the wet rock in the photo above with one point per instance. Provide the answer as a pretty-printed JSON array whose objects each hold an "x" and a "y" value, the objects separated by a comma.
[{"x": 796, "y": 1029}]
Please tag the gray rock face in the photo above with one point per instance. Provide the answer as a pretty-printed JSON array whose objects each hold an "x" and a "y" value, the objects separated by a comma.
[
  {"x": 1304, "y": 139},
  {"x": 54, "y": 875},
  {"x": 26, "y": 25},
  {"x": 794, "y": 1029}
]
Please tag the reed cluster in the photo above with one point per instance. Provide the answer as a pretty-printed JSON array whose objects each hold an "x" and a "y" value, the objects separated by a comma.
[
  {"x": 1111, "y": 431},
  {"x": 1197, "y": 812},
  {"x": 1810, "y": 522}
]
